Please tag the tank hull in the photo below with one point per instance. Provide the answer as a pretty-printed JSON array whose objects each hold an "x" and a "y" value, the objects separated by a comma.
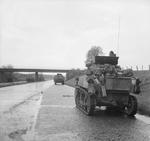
[
  {"x": 117, "y": 93},
  {"x": 105, "y": 84}
]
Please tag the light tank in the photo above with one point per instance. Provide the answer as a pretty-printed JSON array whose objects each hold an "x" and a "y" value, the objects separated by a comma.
[{"x": 105, "y": 84}]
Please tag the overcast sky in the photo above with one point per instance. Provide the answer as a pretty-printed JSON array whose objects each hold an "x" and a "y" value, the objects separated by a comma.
[{"x": 58, "y": 33}]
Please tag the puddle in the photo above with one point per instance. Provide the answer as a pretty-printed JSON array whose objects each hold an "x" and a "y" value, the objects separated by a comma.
[
  {"x": 16, "y": 135},
  {"x": 68, "y": 136},
  {"x": 143, "y": 118},
  {"x": 68, "y": 95},
  {"x": 58, "y": 106}
]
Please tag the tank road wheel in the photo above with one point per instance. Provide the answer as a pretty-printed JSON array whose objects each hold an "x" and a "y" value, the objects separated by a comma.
[
  {"x": 90, "y": 105},
  {"x": 131, "y": 108}
]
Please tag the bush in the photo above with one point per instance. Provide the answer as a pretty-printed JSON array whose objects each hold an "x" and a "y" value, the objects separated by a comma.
[
  {"x": 74, "y": 73},
  {"x": 30, "y": 79},
  {"x": 7, "y": 76}
]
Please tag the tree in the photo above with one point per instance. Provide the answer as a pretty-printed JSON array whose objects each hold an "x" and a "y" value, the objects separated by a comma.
[
  {"x": 94, "y": 51},
  {"x": 7, "y": 76}
]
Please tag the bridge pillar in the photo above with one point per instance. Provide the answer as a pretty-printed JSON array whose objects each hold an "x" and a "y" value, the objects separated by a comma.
[
  {"x": 36, "y": 76},
  {"x": 2, "y": 79}
]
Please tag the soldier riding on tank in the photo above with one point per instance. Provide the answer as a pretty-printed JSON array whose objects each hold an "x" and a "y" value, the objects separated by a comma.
[{"x": 105, "y": 84}]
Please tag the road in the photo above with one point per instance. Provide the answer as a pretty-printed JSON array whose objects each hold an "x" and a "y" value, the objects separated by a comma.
[
  {"x": 10, "y": 96},
  {"x": 58, "y": 119},
  {"x": 52, "y": 116},
  {"x": 18, "y": 107}
]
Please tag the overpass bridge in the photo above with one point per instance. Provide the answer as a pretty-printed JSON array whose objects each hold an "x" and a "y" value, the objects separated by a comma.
[{"x": 33, "y": 70}]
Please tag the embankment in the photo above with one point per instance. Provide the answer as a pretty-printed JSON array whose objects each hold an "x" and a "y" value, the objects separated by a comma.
[{"x": 144, "y": 97}]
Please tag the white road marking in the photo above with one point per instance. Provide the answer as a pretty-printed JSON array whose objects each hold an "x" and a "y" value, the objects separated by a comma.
[
  {"x": 59, "y": 106},
  {"x": 30, "y": 134}
]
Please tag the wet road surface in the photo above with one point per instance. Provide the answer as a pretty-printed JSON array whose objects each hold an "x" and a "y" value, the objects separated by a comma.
[
  {"x": 52, "y": 116},
  {"x": 18, "y": 108},
  {"x": 58, "y": 119},
  {"x": 12, "y": 95}
]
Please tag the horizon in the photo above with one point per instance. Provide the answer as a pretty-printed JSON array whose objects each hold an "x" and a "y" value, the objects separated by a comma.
[{"x": 58, "y": 34}]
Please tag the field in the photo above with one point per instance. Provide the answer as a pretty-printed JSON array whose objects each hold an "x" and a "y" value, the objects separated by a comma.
[{"x": 143, "y": 98}]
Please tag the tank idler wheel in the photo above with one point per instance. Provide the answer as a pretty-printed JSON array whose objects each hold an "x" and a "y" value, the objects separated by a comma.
[
  {"x": 131, "y": 108},
  {"x": 90, "y": 105}
]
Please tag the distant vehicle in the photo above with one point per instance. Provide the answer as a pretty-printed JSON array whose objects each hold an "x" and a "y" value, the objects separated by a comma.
[{"x": 59, "y": 78}]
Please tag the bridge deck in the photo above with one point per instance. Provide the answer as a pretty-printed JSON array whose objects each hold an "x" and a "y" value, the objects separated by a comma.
[{"x": 32, "y": 70}]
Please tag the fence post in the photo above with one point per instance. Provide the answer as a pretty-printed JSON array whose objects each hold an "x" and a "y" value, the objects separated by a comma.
[
  {"x": 142, "y": 67},
  {"x": 137, "y": 68}
]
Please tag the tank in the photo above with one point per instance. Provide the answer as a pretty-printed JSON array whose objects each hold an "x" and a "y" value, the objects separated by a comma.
[{"x": 106, "y": 84}]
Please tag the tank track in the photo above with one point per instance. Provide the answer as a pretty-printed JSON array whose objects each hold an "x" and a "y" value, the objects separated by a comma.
[
  {"x": 83, "y": 107},
  {"x": 82, "y": 110}
]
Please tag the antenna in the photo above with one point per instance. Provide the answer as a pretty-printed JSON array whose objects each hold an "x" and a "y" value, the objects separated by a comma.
[{"x": 118, "y": 35}]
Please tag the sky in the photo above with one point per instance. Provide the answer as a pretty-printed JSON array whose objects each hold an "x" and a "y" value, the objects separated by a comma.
[{"x": 57, "y": 34}]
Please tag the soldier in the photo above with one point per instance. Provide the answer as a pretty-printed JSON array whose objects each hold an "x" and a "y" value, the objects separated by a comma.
[{"x": 112, "y": 54}]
